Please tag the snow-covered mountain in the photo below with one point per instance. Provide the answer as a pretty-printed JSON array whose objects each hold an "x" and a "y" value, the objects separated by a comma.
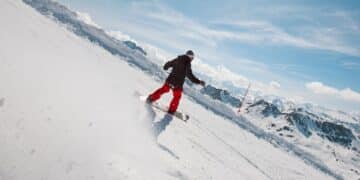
[
  {"x": 307, "y": 126},
  {"x": 69, "y": 110}
]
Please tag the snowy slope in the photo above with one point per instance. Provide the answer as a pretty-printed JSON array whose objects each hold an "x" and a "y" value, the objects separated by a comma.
[{"x": 69, "y": 110}]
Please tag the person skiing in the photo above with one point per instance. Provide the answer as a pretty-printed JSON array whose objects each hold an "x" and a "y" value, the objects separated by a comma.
[{"x": 181, "y": 68}]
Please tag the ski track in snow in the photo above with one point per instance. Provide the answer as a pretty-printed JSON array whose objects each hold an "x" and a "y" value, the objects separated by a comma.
[
  {"x": 64, "y": 97},
  {"x": 230, "y": 147}
]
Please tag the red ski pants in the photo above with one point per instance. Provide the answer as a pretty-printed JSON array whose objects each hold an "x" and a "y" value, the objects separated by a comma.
[{"x": 164, "y": 89}]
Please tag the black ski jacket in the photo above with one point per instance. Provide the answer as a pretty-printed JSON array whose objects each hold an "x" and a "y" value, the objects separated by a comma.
[{"x": 181, "y": 68}]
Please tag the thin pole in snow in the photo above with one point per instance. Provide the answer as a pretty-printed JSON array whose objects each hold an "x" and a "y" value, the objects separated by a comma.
[{"x": 243, "y": 99}]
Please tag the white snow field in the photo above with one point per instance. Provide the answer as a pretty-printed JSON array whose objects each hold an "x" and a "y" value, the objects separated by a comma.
[{"x": 70, "y": 110}]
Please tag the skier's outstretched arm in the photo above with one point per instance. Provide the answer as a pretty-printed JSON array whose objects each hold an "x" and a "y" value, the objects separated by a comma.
[
  {"x": 169, "y": 64},
  {"x": 192, "y": 77}
]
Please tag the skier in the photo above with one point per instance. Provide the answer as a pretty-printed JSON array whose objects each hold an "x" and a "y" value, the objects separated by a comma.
[{"x": 181, "y": 68}]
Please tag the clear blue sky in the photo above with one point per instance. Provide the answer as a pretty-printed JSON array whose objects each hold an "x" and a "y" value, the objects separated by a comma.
[{"x": 311, "y": 49}]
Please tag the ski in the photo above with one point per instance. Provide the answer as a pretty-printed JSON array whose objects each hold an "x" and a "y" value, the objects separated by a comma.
[{"x": 180, "y": 115}]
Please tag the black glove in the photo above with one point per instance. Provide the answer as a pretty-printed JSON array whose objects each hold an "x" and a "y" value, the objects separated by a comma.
[{"x": 202, "y": 83}]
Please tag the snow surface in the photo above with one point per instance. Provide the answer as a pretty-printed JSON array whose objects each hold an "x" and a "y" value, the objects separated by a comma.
[{"x": 70, "y": 110}]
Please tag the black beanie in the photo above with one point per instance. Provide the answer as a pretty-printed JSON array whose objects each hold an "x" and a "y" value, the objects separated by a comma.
[{"x": 190, "y": 52}]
